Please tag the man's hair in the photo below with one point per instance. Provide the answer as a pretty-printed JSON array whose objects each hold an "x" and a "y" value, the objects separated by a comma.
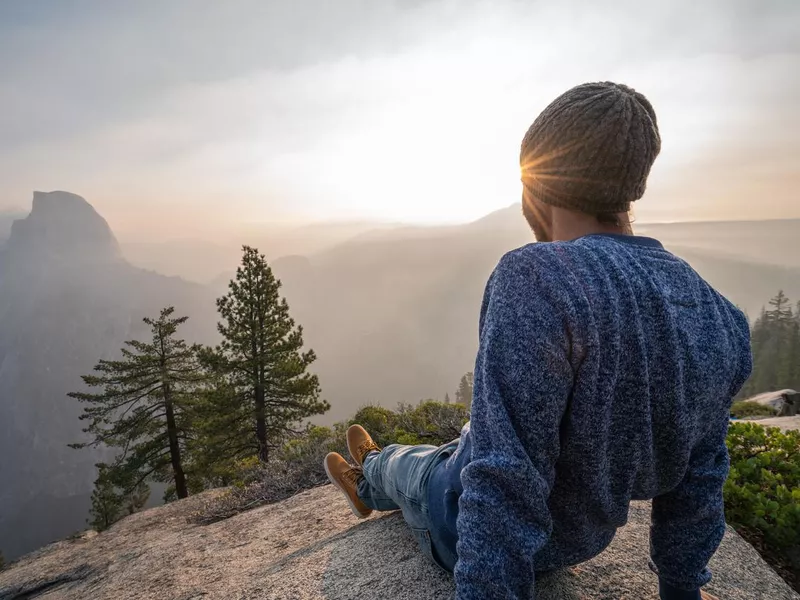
[
  {"x": 606, "y": 218},
  {"x": 591, "y": 149}
]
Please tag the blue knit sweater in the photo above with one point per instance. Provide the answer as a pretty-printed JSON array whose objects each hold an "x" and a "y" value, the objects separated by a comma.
[{"x": 605, "y": 374}]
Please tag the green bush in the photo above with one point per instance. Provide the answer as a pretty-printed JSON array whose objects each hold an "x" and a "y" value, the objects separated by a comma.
[
  {"x": 379, "y": 422},
  {"x": 297, "y": 465},
  {"x": 751, "y": 409},
  {"x": 763, "y": 489},
  {"x": 428, "y": 422}
]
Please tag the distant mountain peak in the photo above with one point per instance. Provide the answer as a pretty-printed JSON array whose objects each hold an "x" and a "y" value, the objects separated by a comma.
[
  {"x": 59, "y": 200},
  {"x": 509, "y": 217},
  {"x": 63, "y": 225}
]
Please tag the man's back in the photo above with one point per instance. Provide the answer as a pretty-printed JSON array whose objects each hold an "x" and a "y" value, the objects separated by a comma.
[
  {"x": 606, "y": 371},
  {"x": 661, "y": 356}
]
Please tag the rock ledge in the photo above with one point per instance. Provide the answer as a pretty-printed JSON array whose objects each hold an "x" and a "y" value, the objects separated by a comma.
[{"x": 310, "y": 547}]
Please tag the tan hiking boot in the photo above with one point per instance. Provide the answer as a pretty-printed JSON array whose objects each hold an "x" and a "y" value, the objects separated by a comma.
[
  {"x": 346, "y": 478},
  {"x": 359, "y": 443}
]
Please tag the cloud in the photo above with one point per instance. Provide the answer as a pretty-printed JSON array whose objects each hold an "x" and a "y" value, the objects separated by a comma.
[{"x": 381, "y": 109}]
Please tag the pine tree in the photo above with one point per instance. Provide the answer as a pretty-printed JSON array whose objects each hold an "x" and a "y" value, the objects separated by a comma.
[
  {"x": 141, "y": 407},
  {"x": 266, "y": 389},
  {"x": 464, "y": 391},
  {"x": 775, "y": 344},
  {"x": 106, "y": 503},
  {"x": 112, "y": 499},
  {"x": 782, "y": 322},
  {"x": 223, "y": 426},
  {"x": 782, "y": 309},
  {"x": 447, "y": 398}
]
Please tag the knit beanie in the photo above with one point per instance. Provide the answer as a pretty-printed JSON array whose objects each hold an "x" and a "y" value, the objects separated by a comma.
[{"x": 591, "y": 149}]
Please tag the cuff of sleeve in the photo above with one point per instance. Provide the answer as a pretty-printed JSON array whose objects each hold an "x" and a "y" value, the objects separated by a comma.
[
  {"x": 683, "y": 583},
  {"x": 670, "y": 592}
]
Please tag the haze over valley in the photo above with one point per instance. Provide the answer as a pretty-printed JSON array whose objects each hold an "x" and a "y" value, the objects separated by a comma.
[{"x": 390, "y": 311}]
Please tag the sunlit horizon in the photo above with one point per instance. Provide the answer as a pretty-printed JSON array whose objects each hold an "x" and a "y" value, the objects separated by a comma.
[{"x": 409, "y": 115}]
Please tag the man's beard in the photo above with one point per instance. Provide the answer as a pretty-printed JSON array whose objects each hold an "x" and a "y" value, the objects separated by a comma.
[{"x": 539, "y": 219}]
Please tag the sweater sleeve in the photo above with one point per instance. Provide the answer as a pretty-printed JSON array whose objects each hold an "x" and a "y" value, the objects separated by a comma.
[
  {"x": 688, "y": 523},
  {"x": 523, "y": 378}
]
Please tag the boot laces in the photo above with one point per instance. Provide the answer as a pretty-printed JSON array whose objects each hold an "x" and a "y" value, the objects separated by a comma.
[
  {"x": 352, "y": 476},
  {"x": 367, "y": 447}
]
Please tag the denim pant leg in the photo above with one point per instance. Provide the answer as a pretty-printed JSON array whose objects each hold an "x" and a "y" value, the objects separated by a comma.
[
  {"x": 375, "y": 497},
  {"x": 397, "y": 478}
]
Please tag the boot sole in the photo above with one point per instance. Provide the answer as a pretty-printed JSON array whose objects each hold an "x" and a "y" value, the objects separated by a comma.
[{"x": 335, "y": 482}]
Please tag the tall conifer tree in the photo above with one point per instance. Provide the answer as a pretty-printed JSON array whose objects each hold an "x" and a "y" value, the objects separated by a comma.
[
  {"x": 141, "y": 408},
  {"x": 266, "y": 390}
]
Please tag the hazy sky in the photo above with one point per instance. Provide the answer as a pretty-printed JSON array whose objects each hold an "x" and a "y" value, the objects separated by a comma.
[{"x": 189, "y": 115}]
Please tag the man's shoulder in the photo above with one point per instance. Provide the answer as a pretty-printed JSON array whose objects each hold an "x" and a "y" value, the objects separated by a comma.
[
  {"x": 536, "y": 256},
  {"x": 540, "y": 263},
  {"x": 531, "y": 274}
]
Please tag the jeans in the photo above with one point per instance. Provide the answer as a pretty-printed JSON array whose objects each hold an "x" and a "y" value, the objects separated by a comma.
[{"x": 397, "y": 479}]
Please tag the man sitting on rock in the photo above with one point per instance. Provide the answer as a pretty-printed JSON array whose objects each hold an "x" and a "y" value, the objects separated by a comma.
[{"x": 605, "y": 371}]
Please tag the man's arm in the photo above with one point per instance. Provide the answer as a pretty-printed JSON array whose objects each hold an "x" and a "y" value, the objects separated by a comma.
[
  {"x": 523, "y": 379},
  {"x": 688, "y": 523}
]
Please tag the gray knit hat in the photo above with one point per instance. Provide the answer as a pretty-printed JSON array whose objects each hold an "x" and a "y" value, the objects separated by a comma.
[{"x": 591, "y": 149}]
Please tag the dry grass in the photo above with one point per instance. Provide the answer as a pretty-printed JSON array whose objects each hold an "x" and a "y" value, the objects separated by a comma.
[{"x": 273, "y": 482}]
